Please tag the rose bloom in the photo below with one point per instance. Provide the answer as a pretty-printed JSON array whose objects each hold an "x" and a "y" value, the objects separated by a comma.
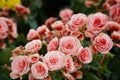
[
  {"x": 42, "y": 29},
  {"x": 112, "y": 26},
  {"x": 78, "y": 20},
  {"x": 69, "y": 45},
  {"x": 103, "y": 43},
  {"x": 20, "y": 65},
  {"x": 65, "y": 14},
  {"x": 58, "y": 25},
  {"x": 32, "y": 34},
  {"x": 55, "y": 60},
  {"x": 3, "y": 29},
  {"x": 39, "y": 70},
  {"x": 115, "y": 35},
  {"x": 33, "y": 46},
  {"x": 52, "y": 46},
  {"x": 69, "y": 66},
  {"x": 85, "y": 55},
  {"x": 31, "y": 77},
  {"x": 13, "y": 75},
  {"x": 11, "y": 26},
  {"x": 96, "y": 22},
  {"x": 115, "y": 12},
  {"x": 34, "y": 58},
  {"x": 49, "y": 21}
]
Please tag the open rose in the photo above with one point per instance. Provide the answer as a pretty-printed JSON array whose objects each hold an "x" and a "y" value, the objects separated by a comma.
[
  {"x": 33, "y": 46},
  {"x": 77, "y": 21},
  {"x": 53, "y": 44},
  {"x": 69, "y": 45},
  {"x": 69, "y": 66},
  {"x": 96, "y": 22},
  {"x": 65, "y": 14},
  {"x": 55, "y": 60},
  {"x": 39, "y": 70},
  {"x": 58, "y": 25},
  {"x": 32, "y": 35},
  {"x": 85, "y": 55},
  {"x": 103, "y": 43},
  {"x": 20, "y": 65},
  {"x": 34, "y": 58}
]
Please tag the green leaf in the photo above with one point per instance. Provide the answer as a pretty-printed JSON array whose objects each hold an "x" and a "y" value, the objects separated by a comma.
[{"x": 90, "y": 76}]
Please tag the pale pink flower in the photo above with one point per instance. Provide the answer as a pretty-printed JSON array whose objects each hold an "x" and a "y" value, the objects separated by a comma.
[
  {"x": 20, "y": 65},
  {"x": 103, "y": 43},
  {"x": 77, "y": 21},
  {"x": 31, "y": 77},
  {"x": 115, "y": 35},
  {"x": 77, "y": 34},
  {"x": 34, "y": 58},
  {"x": 69, "y": 45},
  {"x": 55, "y": 60},
  {"x": 113, "y": 26},
  {"x": 11, "y": 26},
  {"x": 115, "y": 12},
  {"x": 96, "y": 22},
  {"x": 89, "y": 3},
  {"x": 89, "y": 33},
  {"x": 3, "y": 35},
  {"x": 33, "y": 46},
  {"x": 58, "y": 25},
  {"x": 49, "y": 21},
  {"x": 85, "y": 55},
  {"x": 53, "y": 44},
  {"x": 65, "y": 14},
  {"x": 3, "y": 26},
  {"x": 69, "y": 64},
  {"x": 42, "y": 29},
  {"x": 68, "y": 76},
  {"x": 32, "y": 34},
  {"x": 14, "y": 76},
  {"x": 39, "y": 70}
]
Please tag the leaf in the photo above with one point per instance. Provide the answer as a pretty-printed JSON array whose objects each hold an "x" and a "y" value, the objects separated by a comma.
[{"x": 90, "y": 76}]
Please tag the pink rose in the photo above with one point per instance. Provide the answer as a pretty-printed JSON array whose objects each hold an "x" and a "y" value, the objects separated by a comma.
[
  {"x": 77, "y": 34},
  {"x": 42, "y": 29},
  {"x": 3, "y": 29},
  {"x": 69, "y": 45},
  {"x": 20, "y": 65},
  {"x": 33, "y": 46},
  {"x": 11, "y": 26},
  {"x": 78, "y": 74},
  {"x": 55, "y": 60},
  {"x": 65, "y": 14},
  {"x": 52, "y": 46},
  {"x": 115, "y": 12},
  {"x": 13, "y": 75},
  {"x": 2, "y": 45},
  {"x": 113, "y": 26},
  {"x": 96, "y": 22},
  {"x": 69, "y": 66},
  {"x": 89, "y": 33},
  {"x": 85, "y": 55},
  {"x": 68, "y": 76},
  {"x": 77, "y": 21},
  {"x": 34, "y": 58},
  {"x": 49, "y": 21},
  {"x": 58, "y": 25},
  {"x": 89, "y": 4},
  {"x": 31, "y": 77},
  {"x": 115, "y": 35},
  {"x": 32, "y": 34},
  {"x": 39, "y": 70},
  {"x": 103, "y": 43}
]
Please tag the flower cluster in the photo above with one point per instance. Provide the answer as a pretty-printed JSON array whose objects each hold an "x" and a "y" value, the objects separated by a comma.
[
  {"x": 8, "y": 29},
  {"x": 65, "y": 49}
]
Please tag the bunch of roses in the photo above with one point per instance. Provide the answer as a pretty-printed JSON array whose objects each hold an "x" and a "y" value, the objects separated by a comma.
[
  {"x": 64, "y": 49},
  {"x": 8, "y": 29}
]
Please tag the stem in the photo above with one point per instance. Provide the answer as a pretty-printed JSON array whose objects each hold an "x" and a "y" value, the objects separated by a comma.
[
  {"x": 20, "y": 77},
  {"x": 103, "y": 58}
]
